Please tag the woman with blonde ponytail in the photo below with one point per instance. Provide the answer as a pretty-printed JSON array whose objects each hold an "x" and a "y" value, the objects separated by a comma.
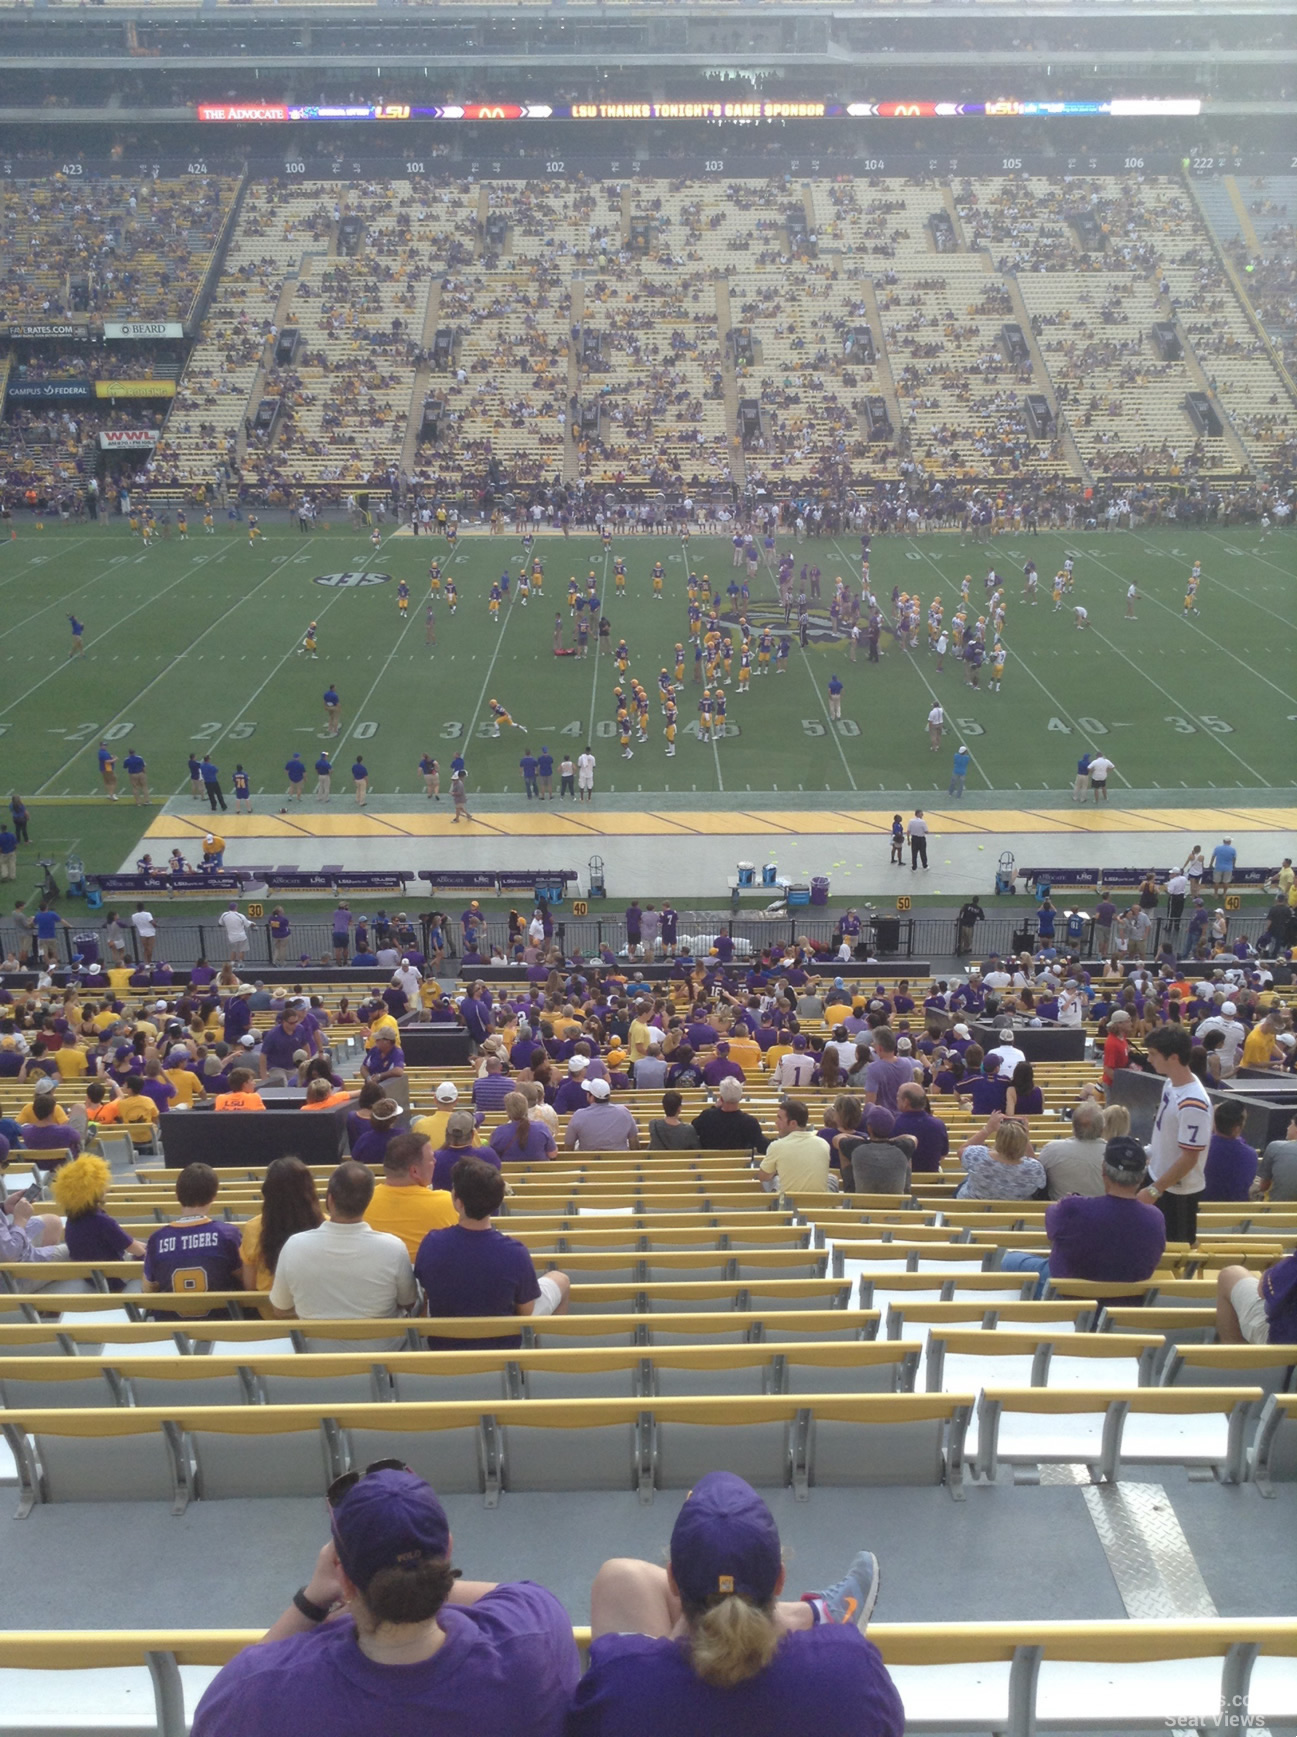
[{"x": 705, "y": 1645}]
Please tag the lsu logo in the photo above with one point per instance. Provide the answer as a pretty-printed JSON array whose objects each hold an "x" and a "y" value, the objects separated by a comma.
[
  {"x": 820, "y": 628},
  {"x": 350, "y": 581}
]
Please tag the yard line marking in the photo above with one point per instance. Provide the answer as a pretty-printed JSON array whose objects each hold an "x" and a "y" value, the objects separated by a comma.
[
  {"x": 598, "y": 652},
  {"x": 1146, "y": 596},
  {"x": 499, "y": 640},
  {"x": 163, "y": 672},
  {"x": 66, "y": 596},
  {"x": 1052, "y": 698},
  {"x": 1255, "y": 556},
  {"x": 1230, "y": 590},
  {"x": 918, "y": 669},
  {"x": 1219, "y": 740},
  {"x": 821, "y": 703},
  {"x": 358, "y": 715},
  {"x": 261, "y": 688},
  {"x": 37, "y": 560},
  {"x": 70, "y": 662},
  {"x": 716, "y": 753}
]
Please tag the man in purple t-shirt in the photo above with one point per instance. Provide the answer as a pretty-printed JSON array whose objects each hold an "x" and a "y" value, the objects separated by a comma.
[
  {"x": 460, "y": 1128},
  {"x": 1231, "y": 1165},
  {"x": 720, "y": 1067},
  {"x": 196, "y": 1252},
  {"x": 45, "y": 1135},
  {"x": 929, "y": 1132},
  {"x": 888, "y": 1072},
  {"x": 386, "y": 1061},
  {"x": 1108, "y": 1238},
  {"x": 464, "y": 1658},
  {"x": 472, "y": 1269},
  {"x": 281, "y": 1043}
]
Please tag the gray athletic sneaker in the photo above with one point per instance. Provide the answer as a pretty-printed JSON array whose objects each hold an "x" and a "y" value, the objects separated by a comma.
[{"x": 853, "y": 1598}]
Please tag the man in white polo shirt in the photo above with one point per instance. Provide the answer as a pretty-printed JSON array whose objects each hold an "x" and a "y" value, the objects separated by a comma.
[
  {"x": 1100, "y": 767},
  {"x": 1177, "y": 1151},
  {"x": 344, "y": 1269}
]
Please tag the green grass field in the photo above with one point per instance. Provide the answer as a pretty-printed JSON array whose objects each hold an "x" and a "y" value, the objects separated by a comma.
[{"x": 196, "y": 645}]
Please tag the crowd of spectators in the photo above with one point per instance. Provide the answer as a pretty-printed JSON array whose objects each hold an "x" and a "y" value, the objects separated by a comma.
[
  {"x": 135, "y": 248},
  {"x": 580, "y": 1036},
  {"x": 603, "y": 335},
  {"x": 406, "y": 1227}
]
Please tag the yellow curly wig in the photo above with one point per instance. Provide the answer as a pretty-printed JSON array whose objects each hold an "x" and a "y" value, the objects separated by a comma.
[{"x": 79, "y": 1187}]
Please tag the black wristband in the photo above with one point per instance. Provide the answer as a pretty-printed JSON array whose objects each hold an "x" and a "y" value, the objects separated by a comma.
[{"x": 312, "y": 1612}]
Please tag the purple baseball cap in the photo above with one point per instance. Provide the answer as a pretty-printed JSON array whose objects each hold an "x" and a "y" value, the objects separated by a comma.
[
  {"x": 389, "y": 1519},
  {"x": 725, "y": 1540}
]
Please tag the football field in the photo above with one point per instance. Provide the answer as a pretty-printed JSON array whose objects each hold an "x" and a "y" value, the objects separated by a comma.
[{"x": 195, "y": 646}]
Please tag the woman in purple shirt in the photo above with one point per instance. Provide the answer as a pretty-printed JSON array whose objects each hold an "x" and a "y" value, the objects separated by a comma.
[
  {"x": 706, "y": 1645},
  {"x": 520, "y": 1140}
]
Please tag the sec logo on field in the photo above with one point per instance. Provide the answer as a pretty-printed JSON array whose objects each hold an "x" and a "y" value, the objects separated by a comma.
[{"x": 348, "y": 581}]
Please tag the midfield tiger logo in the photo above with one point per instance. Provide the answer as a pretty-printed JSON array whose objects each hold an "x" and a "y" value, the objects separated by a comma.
[{"x": 820, "y": 630}]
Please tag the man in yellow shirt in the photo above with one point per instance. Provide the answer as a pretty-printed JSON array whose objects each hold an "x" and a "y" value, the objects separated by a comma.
[
  {"x": 641, "y": 1033},
  {"x": 382, "y": 1022},
  {"x": 432, "y": 1127},
  {"x": 43, "y": 1088},
  {"x": 776, "y": 1053},
  {"x": 1261, "y": 1045},
  {"x": 745, "y": 1050},
  {"x": 799, "y": 1159},
  {"x": 188, "y": 1086},
  {"x": 136, "y": 1109},
  {"x": 71, "y": 1062},
  {"x": 402, "y": 1203}
]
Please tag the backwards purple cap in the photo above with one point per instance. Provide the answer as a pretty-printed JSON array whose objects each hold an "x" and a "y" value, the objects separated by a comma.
[
  {"x": 390, "y": 1519},
  {"x": 880, "y": 1120},
  {"x": 725, "y": 1540}
]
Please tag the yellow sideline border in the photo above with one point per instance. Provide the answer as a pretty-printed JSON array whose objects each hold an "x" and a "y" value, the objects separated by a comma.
[{"x": 587, "y": 822}]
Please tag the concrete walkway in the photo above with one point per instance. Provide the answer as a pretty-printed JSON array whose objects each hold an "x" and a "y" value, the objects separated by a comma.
[{"x": 676, "y": 847}]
